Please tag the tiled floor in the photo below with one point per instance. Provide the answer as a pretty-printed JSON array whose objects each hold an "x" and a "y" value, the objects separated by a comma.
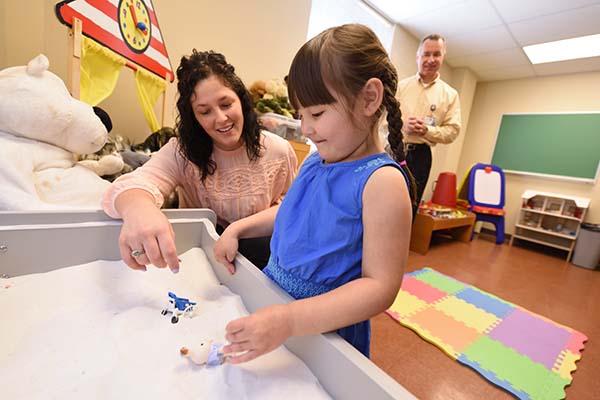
[{"x": 534, "y": 277}]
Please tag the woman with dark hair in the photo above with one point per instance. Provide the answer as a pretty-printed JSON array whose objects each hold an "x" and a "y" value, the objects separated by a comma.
[{"x": 220, "y": 160}]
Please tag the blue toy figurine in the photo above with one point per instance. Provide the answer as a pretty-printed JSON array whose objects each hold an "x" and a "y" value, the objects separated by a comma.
[{"x": 178, "y": 306}]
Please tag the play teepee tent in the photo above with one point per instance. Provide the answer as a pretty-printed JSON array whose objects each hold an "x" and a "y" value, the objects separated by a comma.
[{"x": 106, "y": 35}]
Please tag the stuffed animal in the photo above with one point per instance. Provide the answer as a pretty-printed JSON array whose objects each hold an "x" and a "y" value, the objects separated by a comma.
[
  {"x": 108, "y": 162},
  {"x": 155, "y": 141},
  {"x": 258, "y": 90},
  {"x": 118, "y": 156},
  {"x": 271, "y": 97},
  {"x": 41, "y": 129},
  {"x": 206, "y": 352},
  {"x": 199, "y": 355},
  {"x": 107, "y": 165}
]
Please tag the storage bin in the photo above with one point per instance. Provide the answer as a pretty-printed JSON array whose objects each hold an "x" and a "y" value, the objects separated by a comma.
[{"x": 587, "y": 248}]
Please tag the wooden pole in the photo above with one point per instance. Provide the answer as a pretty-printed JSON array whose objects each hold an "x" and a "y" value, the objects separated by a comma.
[
  {"x": 164, "y": 101},
  {"x": 75, "y": 58}
]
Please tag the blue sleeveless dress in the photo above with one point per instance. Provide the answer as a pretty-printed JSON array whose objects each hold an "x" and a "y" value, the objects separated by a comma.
[{"x": 318, "y": 234}]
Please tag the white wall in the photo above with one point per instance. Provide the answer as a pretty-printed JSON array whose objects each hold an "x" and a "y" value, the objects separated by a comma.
[
  {"x": 3, "y": 38},
  {"x": 404, "y": 52}
]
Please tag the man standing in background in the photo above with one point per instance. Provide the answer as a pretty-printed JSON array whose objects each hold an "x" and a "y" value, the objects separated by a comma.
[{"x": 430, "y": 110}]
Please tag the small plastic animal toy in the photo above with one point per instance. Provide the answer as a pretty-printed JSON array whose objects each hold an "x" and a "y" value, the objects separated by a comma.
[
  {"x": 206, "y": 352},
  {"x": 178, "y": 306}
]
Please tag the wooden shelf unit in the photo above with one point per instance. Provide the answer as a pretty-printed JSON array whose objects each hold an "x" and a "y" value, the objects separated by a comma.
[{"x": 550, "y": 219}]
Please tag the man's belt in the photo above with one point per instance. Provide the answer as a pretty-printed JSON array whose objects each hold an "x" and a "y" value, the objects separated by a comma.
[{"x": 414, "y": 146}]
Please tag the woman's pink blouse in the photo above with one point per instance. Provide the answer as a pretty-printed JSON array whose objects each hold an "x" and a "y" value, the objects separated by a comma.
[{"x": 238, "y": 188}]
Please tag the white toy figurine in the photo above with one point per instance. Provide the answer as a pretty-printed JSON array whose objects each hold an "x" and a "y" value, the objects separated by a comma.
[
  {"x": 206, "y": 352},
  {"x": 41, "y": 127}
]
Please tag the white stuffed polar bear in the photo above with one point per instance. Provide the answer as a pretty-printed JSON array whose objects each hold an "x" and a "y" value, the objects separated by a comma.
[{"x": 41, "y": 126}]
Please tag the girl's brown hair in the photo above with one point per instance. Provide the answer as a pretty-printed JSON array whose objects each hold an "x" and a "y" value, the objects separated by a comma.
[{"x": 344, "y": 58}]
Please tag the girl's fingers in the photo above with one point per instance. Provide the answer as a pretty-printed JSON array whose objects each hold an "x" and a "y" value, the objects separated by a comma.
[
  {"x": 233, "y": 349},
  {"x": 247, "y": 356}
]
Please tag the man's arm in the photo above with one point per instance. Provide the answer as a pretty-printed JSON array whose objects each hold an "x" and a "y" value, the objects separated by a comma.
[{"x": 447, "y": 131}]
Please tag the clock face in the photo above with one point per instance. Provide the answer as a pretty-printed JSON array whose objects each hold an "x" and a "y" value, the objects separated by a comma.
[{"x": 134, "y": 24}]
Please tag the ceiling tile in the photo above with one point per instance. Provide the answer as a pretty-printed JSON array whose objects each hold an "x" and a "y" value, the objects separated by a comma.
[
  {"x": 573, "y": 23},
  {"x": 400, "y": 11},
  {"x": 490, "y": 60},
  {"x": 487, "y": 40},
  {"x": 468, "y": 16},
  {"x": 517, "y": 10},
  {"x": 486, "y": 35}
]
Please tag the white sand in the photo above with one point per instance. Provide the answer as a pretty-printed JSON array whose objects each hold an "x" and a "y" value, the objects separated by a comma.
[{"x": 95, "y": 331}]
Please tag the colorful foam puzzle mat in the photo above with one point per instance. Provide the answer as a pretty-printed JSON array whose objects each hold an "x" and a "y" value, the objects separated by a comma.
[{"x": 526, "y": 354}]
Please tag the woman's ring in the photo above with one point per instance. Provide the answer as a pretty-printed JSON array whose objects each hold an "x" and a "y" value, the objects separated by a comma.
[{"x": 136, "y": 253}]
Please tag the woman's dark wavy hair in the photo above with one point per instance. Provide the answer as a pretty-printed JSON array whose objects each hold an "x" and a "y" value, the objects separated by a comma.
[
  {"x": 345, "y": 58},
  {"x": 194, "y": 143}
]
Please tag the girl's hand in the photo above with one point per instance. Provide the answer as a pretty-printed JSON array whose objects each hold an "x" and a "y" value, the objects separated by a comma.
[
  {"x": 147, "y": 229},
  {"x": 226, "y": 248},
  {"x": 258, "y": 333}
]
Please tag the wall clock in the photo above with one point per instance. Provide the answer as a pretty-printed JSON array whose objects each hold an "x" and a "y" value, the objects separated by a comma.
[
  {"x": 127, "y": 27},
  {"x": 134, "y": 24}
]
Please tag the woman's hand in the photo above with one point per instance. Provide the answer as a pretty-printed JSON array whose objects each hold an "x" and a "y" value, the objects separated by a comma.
[
  {"x": 258, "y": 333},
  {"x": 147, "y": 230},
  {"x": 226, "y": 248}
]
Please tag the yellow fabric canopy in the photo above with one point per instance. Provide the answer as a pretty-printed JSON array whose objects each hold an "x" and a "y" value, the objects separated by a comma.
[
  {"x": 100, "y": 69},
  {"x": 149, "y": 87}
]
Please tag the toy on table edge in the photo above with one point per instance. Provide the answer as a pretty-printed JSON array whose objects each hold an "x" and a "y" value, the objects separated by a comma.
[
  {"x": 207, "y": 352},
  {"x": 179, "y": 306},
  {"x": 439, "y": 211}
]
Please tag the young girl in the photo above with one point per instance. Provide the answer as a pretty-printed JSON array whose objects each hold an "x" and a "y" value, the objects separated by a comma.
[
  {"x": 221, "y": 160},
  {"x": 341, "y": 235}
]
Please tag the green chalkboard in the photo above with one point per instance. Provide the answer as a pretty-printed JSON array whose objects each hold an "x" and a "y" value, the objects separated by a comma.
[{"x": 559, "y": 145}]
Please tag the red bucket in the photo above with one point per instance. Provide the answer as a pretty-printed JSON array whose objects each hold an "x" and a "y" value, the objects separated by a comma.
[{"x": 445, "y": 190}]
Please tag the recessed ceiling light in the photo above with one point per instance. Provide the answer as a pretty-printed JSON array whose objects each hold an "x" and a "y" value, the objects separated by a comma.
[{"x": 560, "y": 50}]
